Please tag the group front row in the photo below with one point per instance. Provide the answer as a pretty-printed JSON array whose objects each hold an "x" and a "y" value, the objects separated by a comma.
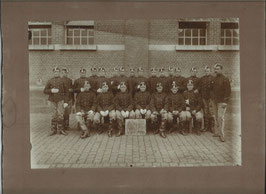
[{"x": 170, "y": 111}]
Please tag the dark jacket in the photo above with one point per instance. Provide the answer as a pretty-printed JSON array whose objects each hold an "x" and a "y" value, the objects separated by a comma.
[
  {"x": 117, "y": 81},
  {"x": 142, "y": 100},
  {"x": 221, "y": 89},
  {"x": 205, "y": 87},
  {"x": 123, "y": 101},
  {"x": 79, "y": 83},
  {"x": 180, "y": 82},
  {"x": 105, "y": 102},
  {"x": 175, "y": 102},
  {"x": 70, "y": 88},
  {"x": 195, "y": 102},
  {"x": 93, "y": 81},
  {"x": 158, "y": 101},
  {"x": 131, "y": 81},
  {"x": 152, "y": 84},
  {"x": 195, "y": 80},
  {"x": 86, "y": 101},
  {"x": 58, "y": 83}
]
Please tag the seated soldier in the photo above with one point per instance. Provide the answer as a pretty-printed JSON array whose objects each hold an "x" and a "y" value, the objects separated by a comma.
[
  {"x": 105, "y": 107},
  {"x": 123, "y": 106},
  {"x": 85, "y": 108},
  {"x": 141, "y": 101},
  {"x": 158, "y": 108},
  {"x": 193, "y": 107},
  {"x": 175, "y": 104}
]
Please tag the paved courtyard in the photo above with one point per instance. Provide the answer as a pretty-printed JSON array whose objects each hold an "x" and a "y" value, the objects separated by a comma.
[{"x": 151, "y": 150}]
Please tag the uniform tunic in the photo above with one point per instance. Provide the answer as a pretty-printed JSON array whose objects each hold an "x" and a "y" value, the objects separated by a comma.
[
  {"x": 194, "y": 100},
  {"x": 205, "y": 86},
  {"x": 221, "y": 89},
  {"x": 69, "y": 86},
  {"x": 142, "y": 100},
  {"x": 123, "y": 101},
  {"x": 58, "y": 83},
  {"x": 105, "y": 102},
  {"x": 79, "y": 83},
  {"x": 158, "y": 101},
  {"x": 86, "y": 101},
  {"x": 175, "y": 102}
]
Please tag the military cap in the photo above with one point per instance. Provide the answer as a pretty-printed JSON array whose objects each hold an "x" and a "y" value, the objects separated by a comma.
[
  {"x": 65, "y": 69},
  {"x": 122, "y": 69},
  {"x": 131, "y": 69},
  {"x": 56, "y": 69},
  {"x": 161, "y": 70},
  {"x": 116, "y": 69},
  {"x": 218, "y": 65},
  {"x": 153, "y": 70},
  {"x": 101, "y": 69},
  {"x": 82, "y": 70},
  {"x": 177, "y": 69},
  {"x": 171, "y": 69},
  {"x": 140, "y": 69},
  {"x": 207, "y": 68},
  {"x": 94, "y": 69}
]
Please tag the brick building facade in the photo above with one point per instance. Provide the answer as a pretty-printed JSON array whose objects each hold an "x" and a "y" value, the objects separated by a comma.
[{"x": 133, "y": 43}]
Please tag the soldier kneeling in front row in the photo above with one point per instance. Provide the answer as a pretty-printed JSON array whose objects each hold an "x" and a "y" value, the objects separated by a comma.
[{"x": 85, "y": 108}]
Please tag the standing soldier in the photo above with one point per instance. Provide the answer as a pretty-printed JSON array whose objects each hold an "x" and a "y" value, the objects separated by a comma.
[
  {"x": 79, "y": 83},
  {"x": 106, "y": 108},
  {"x": 85, "y": 110},
  {"x": 179, "y": 80},
  {"x": 175, "y": 104},
  {"x": 221, "y": 93},
  {"x": 69, "y": 96},
  {"x": 171, "y": 71},
  {"x": 113, "y": 80},
  {"x": 193, "y": 108},
  {"x": 205, "y": 85},
  {"x": 93, "y": 79},
  {"x": 158, "y": 109},
  {"x": 124, "y": 106},
  {"x": 102, "y": 78},
  {"x": 194, "y": 78},
  {"x": 57, "y": 92},
  {"x": 153, "y": 80},
  {"x": 139, "y": 80},
  {"x": 131, "y": 79},
  {"x": 121, "y": 78}
]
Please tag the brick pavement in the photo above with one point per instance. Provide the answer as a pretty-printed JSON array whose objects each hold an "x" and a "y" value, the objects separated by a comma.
[{"x": 133, "y": 151}]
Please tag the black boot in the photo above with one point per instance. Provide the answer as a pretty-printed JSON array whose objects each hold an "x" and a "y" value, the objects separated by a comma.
[
  {"x": 110, "y": 128},
  {"x": 120, "y": 128},
  {"x": 206, "y": 124},
  {"x": 211, "y": 124},
  {"x": 66, "y": 122},
  {"x": 53, "y": 127},
  {"x": 89, "y": 126},
  {"x": 198, "y": 127},
  {"x": 60, "y": 126},
  {"x": 162, "y": 129},
  {"x": 85, "y": 134},
  {"x": 182, "y": 126}
]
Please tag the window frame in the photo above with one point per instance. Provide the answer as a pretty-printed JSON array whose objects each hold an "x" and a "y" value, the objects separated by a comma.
[
  {"x": 80, "y": 36},
  {"x": 224, "y": 37},
  {"x": 39, "y": 29}
]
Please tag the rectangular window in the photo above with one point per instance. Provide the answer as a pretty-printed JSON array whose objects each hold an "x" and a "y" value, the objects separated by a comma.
[
  {"x": 40, "y": 34},
  {"x": 80, "y": 35},
  {"x": 192, "y": 33},
  {"x": 229, "y": 33}
]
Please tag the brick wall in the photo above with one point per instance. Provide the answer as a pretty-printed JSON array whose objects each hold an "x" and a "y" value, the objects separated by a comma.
[{"x": 58, "y": 33}]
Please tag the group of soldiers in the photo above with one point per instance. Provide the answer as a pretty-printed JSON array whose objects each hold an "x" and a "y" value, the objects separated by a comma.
[{"x": 166, "y": 100}]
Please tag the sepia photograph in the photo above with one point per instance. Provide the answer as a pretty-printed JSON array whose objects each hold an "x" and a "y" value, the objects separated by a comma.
[{"x": 135, "y": 93}]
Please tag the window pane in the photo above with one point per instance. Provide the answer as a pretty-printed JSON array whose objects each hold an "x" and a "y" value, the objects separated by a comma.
[
  {"x": 49, "y": 32},
  {"x": 83, "y": 32},
  {"x": 77, "y": 40},
  {"x": 91, "y": 33},
  {"x": 70, "y": 32},
  {"x": 222, "y": 41},
  {"x": 187, "y": 41},
  {"x": 188, "y": 32},
  {"x": 195, "y": 32},
  {"x": 43, "y": 33},
  {"x": 49, "y": 41},
  {"x": 43, "y": 41},
  {"x": 76, "y": 32},
  {"x": 195, "y": 41},
  {"x": 228, "y": 41},
  {"x": 181, "y": 33},
  {"x": 228, "y": 33},
  {"x": 91, "y": 40},
  {"x": 203, "y": 41},
  {"x": 36, "y": 33},
  {"x": 181, "y": 41},
  {"x": 69, "y": 41},
  {"x": 202, "y": 32},
  {"x": 36, "y": 41},
  {"x": 84, "y": 41},
  {"x": 235, "y": 33},
  {"x": 235, "y": 41}
]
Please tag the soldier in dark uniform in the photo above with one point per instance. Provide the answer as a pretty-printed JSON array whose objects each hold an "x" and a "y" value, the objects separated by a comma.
[
  {"x": 121, "y": 78},
  {"x": 79, "y": 83},
  {"x": 131, "y": 79},
  {"x": 139, "y": 80},
  {"x": 85, "y": 110},
  {"x": 175, "y": 104},
  {"x": 205, "y": 86},
  {"x": 164, "y": 80},
  {"x": 114, "y": 80},
  {"x": 93, "y": 79},
  {"x": 70, "y": 96},
  {"x": 194, "y": 78},
  {"x": 153, "y": 80},
  {"x": 193, "y": 108},
  {"x": 124, "y": 106},
  {"x": 158, "y": 109},
  {"x": 171, "y": 72},
  {"x": 106, "y": 108},
  {"x": 102, "y": 78},
  {"x": 221, "y": 92},
  {"x": 57, "y": 92},
  {"x": 179, "y": 80}
]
